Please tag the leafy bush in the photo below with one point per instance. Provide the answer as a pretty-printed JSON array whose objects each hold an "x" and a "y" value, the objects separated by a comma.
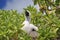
[{"x": 11, "y": 22}]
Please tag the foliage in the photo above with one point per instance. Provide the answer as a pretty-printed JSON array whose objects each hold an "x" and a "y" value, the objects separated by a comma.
[
  {"x": 11, "y": 22},
  {"x": 48, "y": 24},
  {"x": 48, "y": 6}
]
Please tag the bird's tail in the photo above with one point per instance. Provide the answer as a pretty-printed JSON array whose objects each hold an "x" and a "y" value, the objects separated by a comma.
[{"x": 27, "y": 14}]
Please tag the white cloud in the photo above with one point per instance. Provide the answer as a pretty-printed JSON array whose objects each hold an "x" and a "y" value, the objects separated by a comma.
[{"x": 18, "y": 5}]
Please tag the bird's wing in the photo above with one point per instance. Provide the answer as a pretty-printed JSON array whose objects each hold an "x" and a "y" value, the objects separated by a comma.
[
  {"x": 25, "y": 23},
  {"x": 34, "y": 27},
  {"x": 26, "y": 27}
]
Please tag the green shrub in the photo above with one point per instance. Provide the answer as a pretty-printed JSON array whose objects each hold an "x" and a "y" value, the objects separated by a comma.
[{"x": 11, "y": 22}]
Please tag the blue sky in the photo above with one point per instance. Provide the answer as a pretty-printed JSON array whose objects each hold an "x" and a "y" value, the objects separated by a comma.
[
  {"x": 3, "y": 3},
  {"x": 15, "y": 4}
]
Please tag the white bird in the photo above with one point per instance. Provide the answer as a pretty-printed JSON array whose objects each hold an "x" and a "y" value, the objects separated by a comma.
[{"x": 28, "y": 27}]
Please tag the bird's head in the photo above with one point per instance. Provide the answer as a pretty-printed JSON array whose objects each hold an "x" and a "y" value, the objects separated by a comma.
[{"x": 27, "y": 13}]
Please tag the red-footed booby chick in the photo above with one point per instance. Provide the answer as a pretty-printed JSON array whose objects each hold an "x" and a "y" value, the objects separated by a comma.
[{"x": 28, "y": 27}]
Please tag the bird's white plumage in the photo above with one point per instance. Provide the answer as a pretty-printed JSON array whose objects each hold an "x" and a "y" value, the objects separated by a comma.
[
  {"x": 28, "y": 27},
  {"x": 34, "y": 27}
]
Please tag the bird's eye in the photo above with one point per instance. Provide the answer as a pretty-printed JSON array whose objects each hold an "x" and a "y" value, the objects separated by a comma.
[
  {"x": 33, "y": 30},
  {"x": 26, "y": 13}
]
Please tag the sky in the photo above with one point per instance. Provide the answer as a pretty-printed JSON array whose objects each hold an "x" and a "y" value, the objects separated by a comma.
[{"x": 16, "y": 4}]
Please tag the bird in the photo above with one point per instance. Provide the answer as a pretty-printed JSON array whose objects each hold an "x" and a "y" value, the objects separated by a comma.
[{"x": 28, "y": 27}]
